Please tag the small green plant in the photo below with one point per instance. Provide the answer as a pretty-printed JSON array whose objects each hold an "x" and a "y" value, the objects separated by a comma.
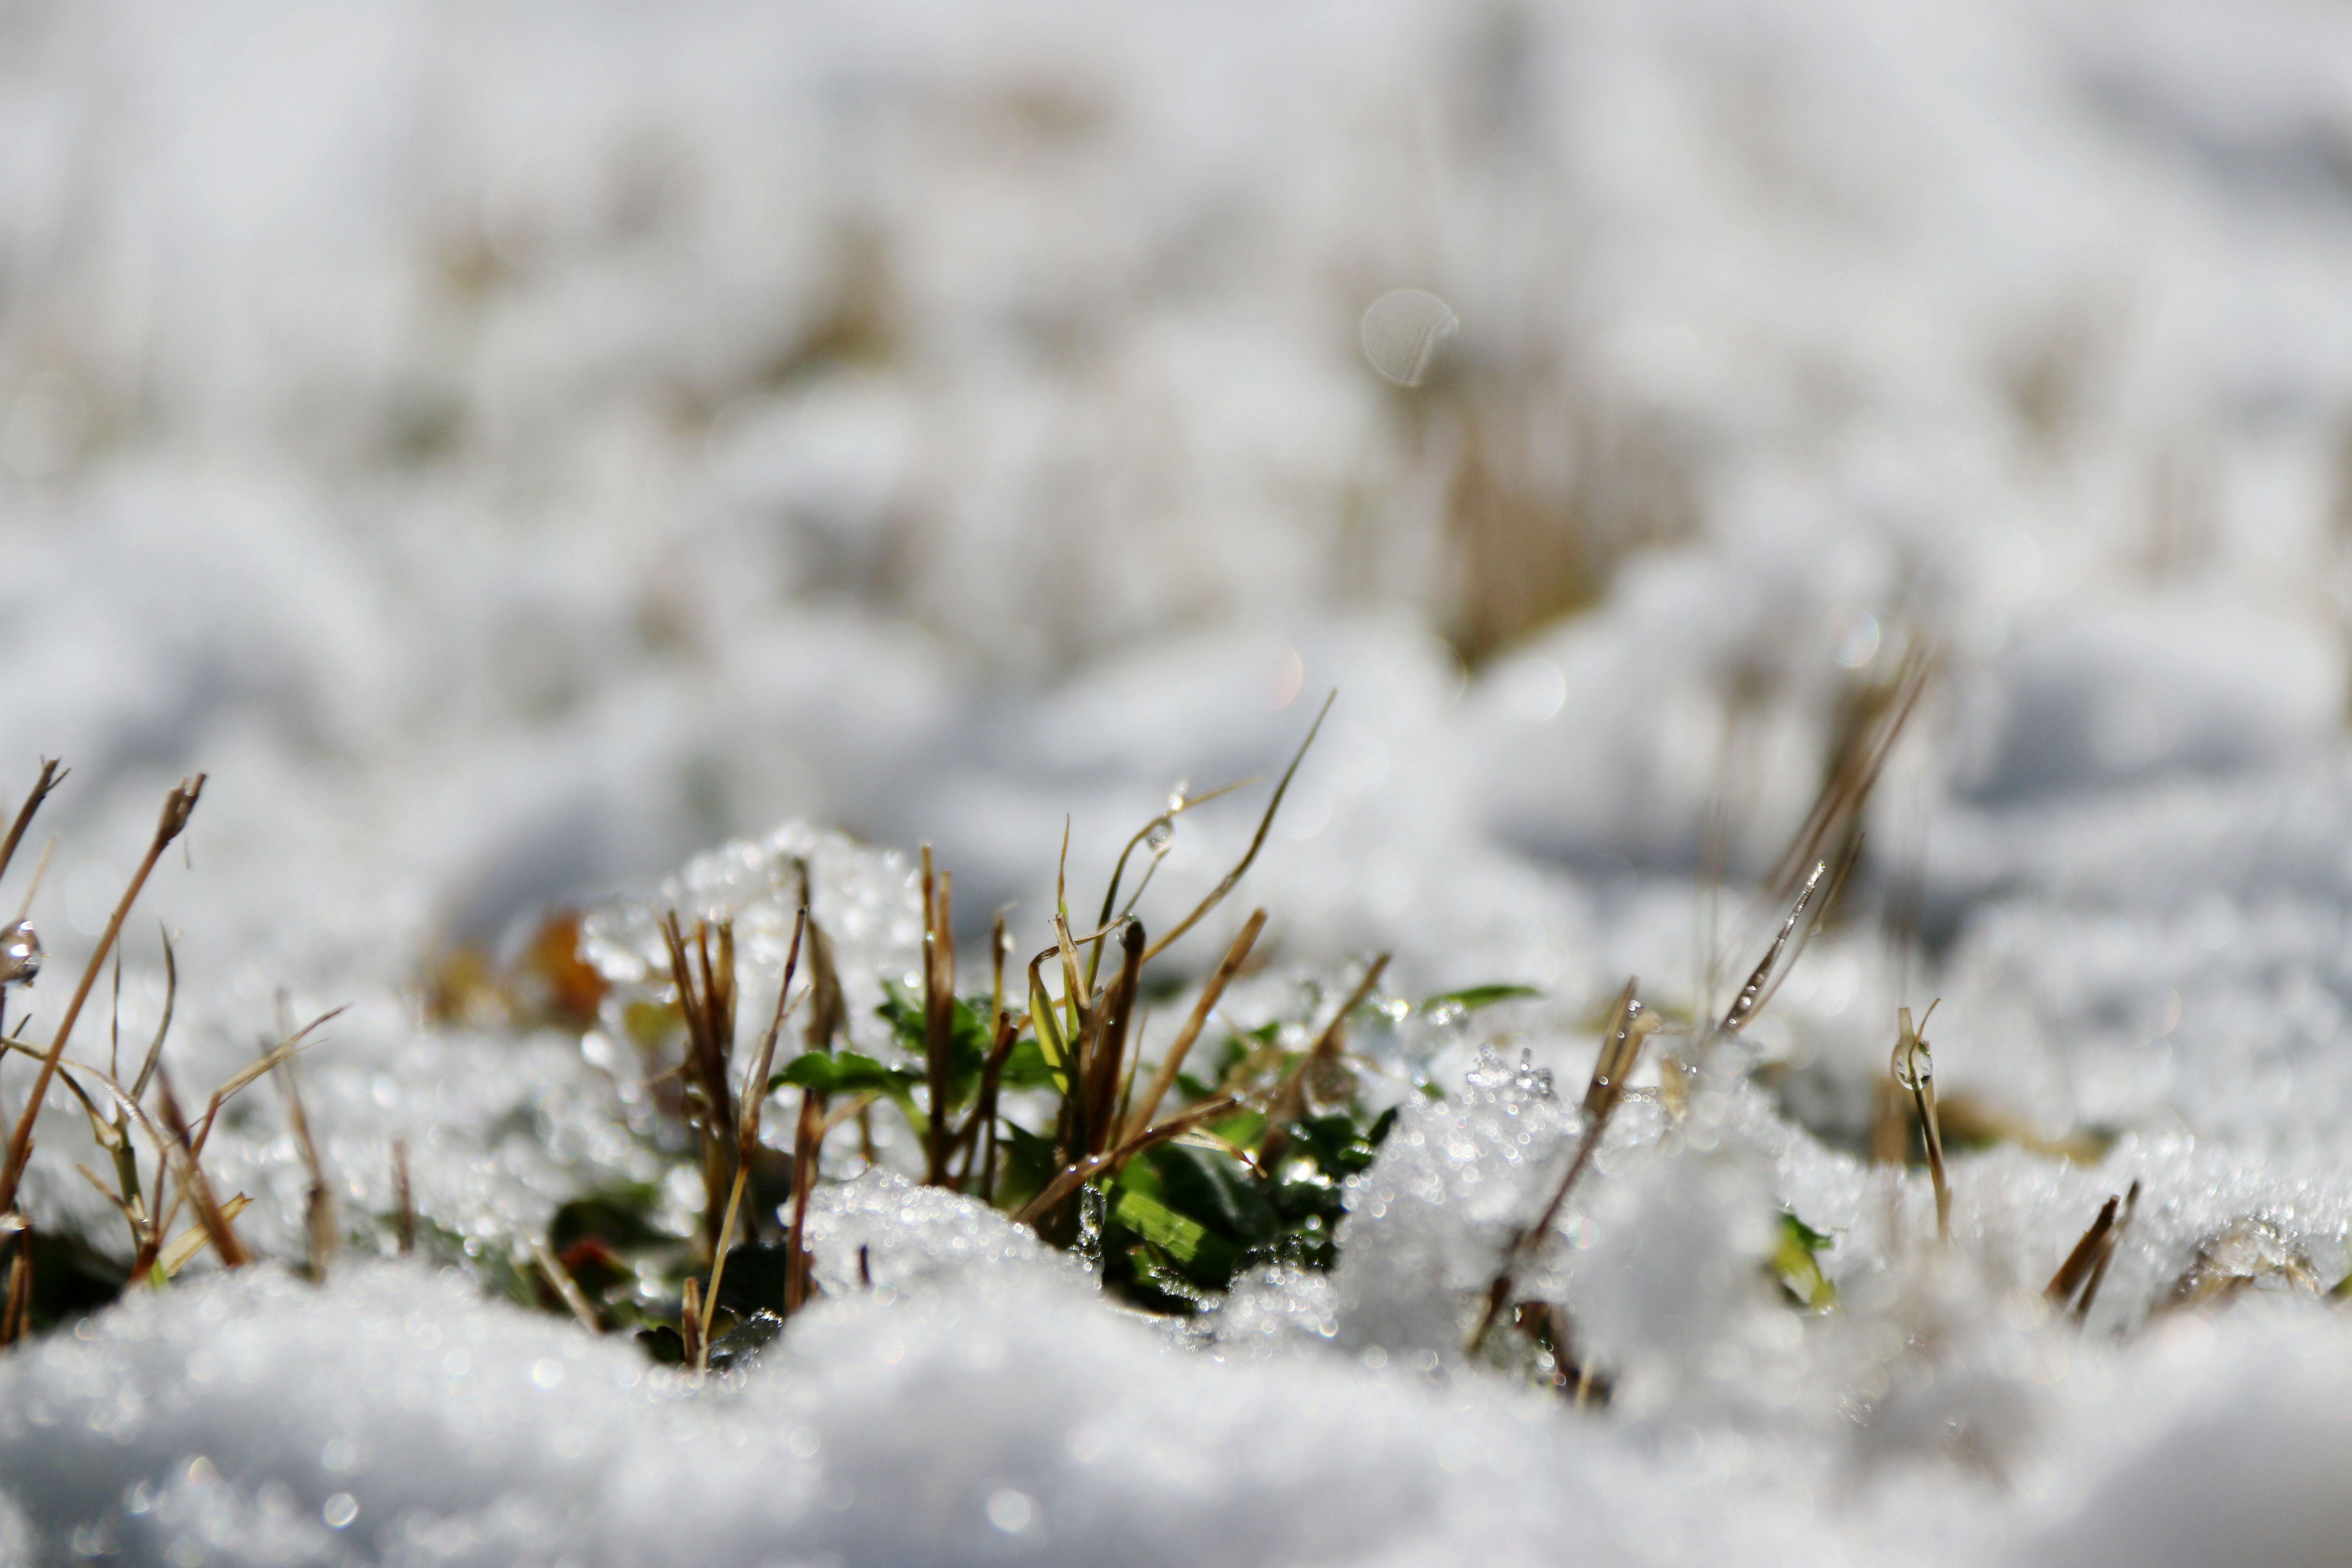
[
  {"x": 1796, "y": 1263},
  {"x": 1174, "y": 1185}
]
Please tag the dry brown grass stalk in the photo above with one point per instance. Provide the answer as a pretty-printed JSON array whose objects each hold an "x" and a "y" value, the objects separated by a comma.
[
  {"x": 164, "y": 1025},
  {"x": 404, "y": 1198},
  {"x": 177, "y": 807},
  {"x": 979, "y": 1128},
  {"x": 1313, "y": 1066},
  {"x": 1890, "y": 1124},
  {"x": 2071, "y": 1273},
  {"x": 1085, "y": 1047},
  {"x": 1257, "y": 840},
  {"x": 1619, "y": 1053},
  {"x": 1077, "y": 1175},
  {"x": 251, "y": 1072},
  {"x": 1621, "y": 1050},
  {"x": 1875, "y": 721},
  {"x": 1172, "y": 1063},
  {"x": 1102, "y": 1077},
  {"x": 1761, "y": 979},
  {"x": 1549, "y": 484},
  {"x": 126, "y": 1195},
  {"x": 20, "y": 1288},
  {"x": 567, "y": 1289},
  {"x": 2075, "y": 1286},
  {"x": 828, "y": 1010},
  {"x": 181, "y": 1251},
  {"x": 938, "y": 1014},
  {"x": 1153, "y": 834},
  {"x": 260, "y": 1067},
  {"x": 194, "y": 1183},
  {"x": 706, "y": 1002},
  {"x": 753, "y": 1100},
  {"x": 1621, "y": 1047},
  {"x": 318, "y": 1205},
  {"x": 827, "y": 1016},
  {"x": 999, "y": 947},
  {"x": 689, "y": 1324},
  {"x": 808, "y": 1146},
  {"x": 1914, "y": 1066},
  {"x": 153, "y": 1254},
  {"x": 51, "y": 776}
]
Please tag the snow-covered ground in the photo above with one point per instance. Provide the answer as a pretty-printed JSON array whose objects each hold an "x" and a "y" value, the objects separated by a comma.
[{"x": 513, "y": 448}]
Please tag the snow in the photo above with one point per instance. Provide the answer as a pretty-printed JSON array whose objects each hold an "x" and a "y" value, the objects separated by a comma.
[
  {"x": 539, "y": 459},
  {"x": 1075, "y": 1437},
  {"x": 1427, "y": 1223}
]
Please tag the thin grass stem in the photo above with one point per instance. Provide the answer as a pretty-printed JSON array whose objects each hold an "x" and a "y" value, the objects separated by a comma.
[
  {"x": 1257, "y": 840},
  {"x": 177, "y": 807},
  {"x": 1172, "y": 1063}
]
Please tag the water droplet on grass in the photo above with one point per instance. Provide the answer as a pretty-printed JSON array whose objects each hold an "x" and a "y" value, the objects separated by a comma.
[{"x": 20, "y": 955}]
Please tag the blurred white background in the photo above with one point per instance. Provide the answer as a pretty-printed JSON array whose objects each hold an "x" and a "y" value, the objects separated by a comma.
[{"x": 509, "y": 446}]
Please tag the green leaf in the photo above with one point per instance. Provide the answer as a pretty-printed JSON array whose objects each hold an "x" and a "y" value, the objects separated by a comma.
[
  {"x": 1193, "y": 1088},
  {"x": 1471, "y": 998},
  {"x": 861, "y": 1075},
  {"x": 1029, "y": 1164},
  {"x": 846, "y": 1073},
  {"x": 1797, "y": 1230},
  {"x": 1338, "y": 1149},
  {"x": 1055, "y": 1049},
  {"x": 904, "y": 1013},
  {"x": 810, "y": 1069},
  {"x": 755, "y": 1279},
  {"x": 1213, "y": 1191},
  {"x": 1154, "y": 1286},
  {"x": 971, "y": 1033},
  {"x": 1243, "y": 1131},
  {"x": 1024, "y": 1067},
  {"x": 620, "y": 1215},
  {"x": 1795, "y": 1265},
  {"x": 1238, "y": 1048},
  {"x": 1205, "y": 1259}
]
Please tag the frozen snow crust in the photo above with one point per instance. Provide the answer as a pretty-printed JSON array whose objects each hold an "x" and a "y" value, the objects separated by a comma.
[
  {"x": 515, "y": 449},
  {"x": 1012, "y": 1418},
  {"x": 980, "y": 1403}
]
